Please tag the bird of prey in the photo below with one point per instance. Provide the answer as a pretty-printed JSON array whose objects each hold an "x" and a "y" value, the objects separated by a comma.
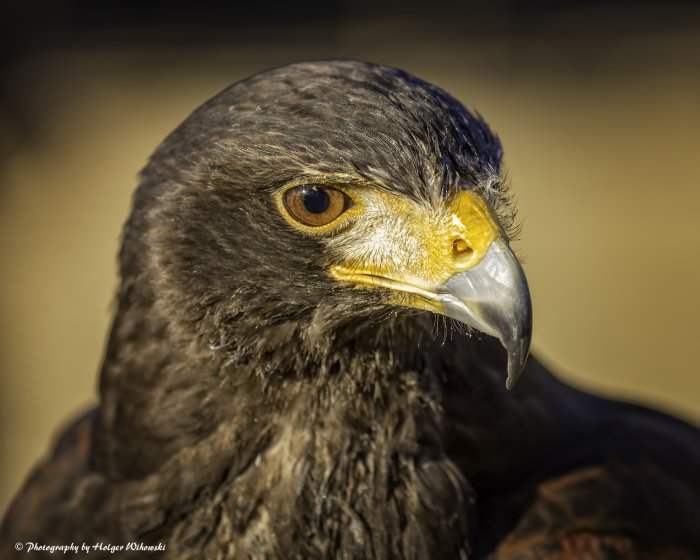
[{"x": 318, "y": 314}]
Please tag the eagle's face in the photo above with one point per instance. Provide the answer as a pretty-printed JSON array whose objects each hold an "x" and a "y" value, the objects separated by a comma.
[
  {"x": 322, "y": 195},
  {"x": 447, "y": 255}
]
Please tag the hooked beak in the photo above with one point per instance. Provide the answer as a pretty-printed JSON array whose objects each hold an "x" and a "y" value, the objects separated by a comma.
[
  {"x": 463, "y": 267},
  {"x": 493, "y": 297}
]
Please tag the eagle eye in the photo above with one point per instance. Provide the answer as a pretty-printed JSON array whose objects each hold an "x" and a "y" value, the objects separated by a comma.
[{"x": 315, "y": 205}]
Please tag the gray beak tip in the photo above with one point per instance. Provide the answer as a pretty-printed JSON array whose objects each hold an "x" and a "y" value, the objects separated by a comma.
[
  {"x": 516, "y": 364},
  {"x": 518, "y": 348}
]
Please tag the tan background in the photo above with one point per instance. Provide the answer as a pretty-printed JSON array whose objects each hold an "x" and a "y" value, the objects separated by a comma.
[{"x": 601, "y": 131}]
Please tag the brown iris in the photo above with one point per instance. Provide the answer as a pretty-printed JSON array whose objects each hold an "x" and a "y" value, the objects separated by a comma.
[{"x": 315, "y": 205}]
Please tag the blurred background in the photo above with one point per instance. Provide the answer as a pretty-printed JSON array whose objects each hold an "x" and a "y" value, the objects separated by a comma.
[{"x": 597, "y": 104}]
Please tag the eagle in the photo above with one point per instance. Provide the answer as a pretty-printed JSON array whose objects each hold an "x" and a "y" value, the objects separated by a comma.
[{"x": 318, "y": 330}]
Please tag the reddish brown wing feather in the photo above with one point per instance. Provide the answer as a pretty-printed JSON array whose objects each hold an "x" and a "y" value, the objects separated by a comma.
[
  {"x": 50, "y": 482},
  {"x": 615, "y": 512},
  {"x": 590, "y": 546}
]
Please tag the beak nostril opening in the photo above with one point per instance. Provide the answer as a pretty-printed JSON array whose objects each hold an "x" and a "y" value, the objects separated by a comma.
[{"x": 461, "y": 248}]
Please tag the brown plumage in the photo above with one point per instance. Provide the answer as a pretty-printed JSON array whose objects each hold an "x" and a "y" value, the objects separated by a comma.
[{"x": 252, "y": 406}]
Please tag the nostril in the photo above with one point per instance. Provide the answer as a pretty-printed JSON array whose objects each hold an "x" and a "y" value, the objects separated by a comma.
[{"x": 461, "y": 249}]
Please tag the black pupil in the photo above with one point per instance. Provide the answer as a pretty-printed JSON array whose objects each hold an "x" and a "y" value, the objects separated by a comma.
[{"x": 316, "y": 200}]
